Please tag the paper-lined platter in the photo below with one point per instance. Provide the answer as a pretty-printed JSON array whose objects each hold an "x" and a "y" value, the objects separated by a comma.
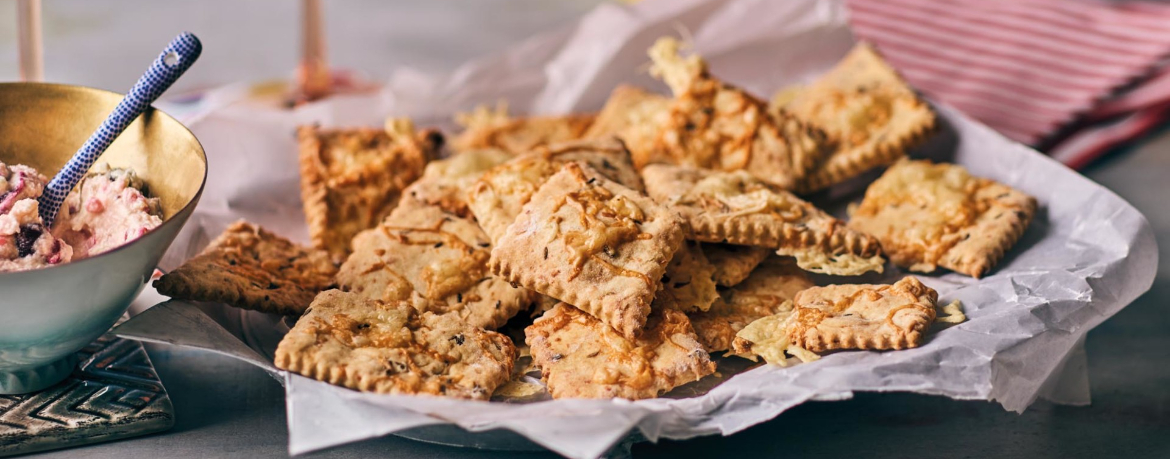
[{"x": 641, "y": 238}]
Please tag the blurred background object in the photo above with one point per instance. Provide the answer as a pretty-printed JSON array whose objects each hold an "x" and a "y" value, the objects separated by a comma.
[
  {"x": 1073, "y": 78},
  {"x": 30, "y": 50}
]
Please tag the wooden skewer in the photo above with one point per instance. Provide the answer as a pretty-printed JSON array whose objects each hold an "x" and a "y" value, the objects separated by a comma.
[
  {"x": 313, "y": 74},
  {"x": 32, "y": 65}
]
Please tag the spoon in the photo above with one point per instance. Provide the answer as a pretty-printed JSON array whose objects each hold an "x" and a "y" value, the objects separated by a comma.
[{"x": 166, "y": 69}]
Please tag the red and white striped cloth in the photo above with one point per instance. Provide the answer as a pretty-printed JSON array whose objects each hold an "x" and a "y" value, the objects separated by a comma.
[{"x": 1072, "y": 77}]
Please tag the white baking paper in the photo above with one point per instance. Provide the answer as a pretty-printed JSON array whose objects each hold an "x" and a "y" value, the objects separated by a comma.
[{"x": 1087, "y": 254}]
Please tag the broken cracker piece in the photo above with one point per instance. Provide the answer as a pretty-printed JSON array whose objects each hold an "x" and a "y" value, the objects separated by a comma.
[
  {"x": 592, "y": 243},
  {"x": 856, "y": 316},
  {"x": 869, "y": 112},
  {"x": 928, "y": 215},
  {"x": 355, "y": 342},
  {"x": 251, "y": 268},
  {"x": 736, "y": 208},
  {"x": 435, "y": 260},
  {"x": 733, "y": 263},
  {"x": 767, "y": 291},
  {"x": 581, "y": 357},
  {"x": 485, "y": 128},
  {"x": 689, "y": 282},
  {"x": 352, "y": 178},
  {"x": 713, "y": 125},
  {"x": 496, "y": 199}
]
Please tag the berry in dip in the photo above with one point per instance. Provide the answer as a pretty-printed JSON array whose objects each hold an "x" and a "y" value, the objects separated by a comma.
[{"x": 107, "y": 209}]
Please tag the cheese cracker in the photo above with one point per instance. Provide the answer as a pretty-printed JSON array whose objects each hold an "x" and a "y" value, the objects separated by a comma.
[
  {"x": 352, "y": 178},
  {"x": 355, "y": 342},
  {"x": 251, "y": 268},
  {"x": 736, "y": 208},
  {"x": 869, "y": 112},
  {"x": 592, "y": 243},
  {"x": 928, "y": 215},
  {"x": 581, "y": 357}
]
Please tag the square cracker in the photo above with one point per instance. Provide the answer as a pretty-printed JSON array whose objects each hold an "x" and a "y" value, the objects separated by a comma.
[
  {"x": 867, "y": 109},
  {"x": 767, "y": 291},
  {"x": 689, "y": 282},
  {"x": 445, "y": 182},
  {"x": 929, "y": 215},
  {"x": 592, "y": 243},
  {"x": 486, "y": 128},
  {"x": 352, "y": 341},
  {"x": 435, "y": 260},
  {"x": 496, "y": 199},
  {"x": 733, "y": 263},
  {"x": 857, "y": 316},
  {"x": 352, "y": 178},
  {"x": 713, "y": 125},
  {"x": 251, "y": 268},
  {"x": 580, "y": 357},
  {"x": 634, "y": 115},
  {"x": 736, "y": 208}
]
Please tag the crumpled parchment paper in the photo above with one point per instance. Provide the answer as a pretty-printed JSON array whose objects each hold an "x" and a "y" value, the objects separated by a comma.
[{"x": 1087, "y": 254}]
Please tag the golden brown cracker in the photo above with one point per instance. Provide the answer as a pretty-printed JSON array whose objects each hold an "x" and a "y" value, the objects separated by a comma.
[
  {"x": 496, "y": 199},
  {"x": 581, "y": 357},
  {"x": 869, "y": 112},
  {"x": 634, "y": 115},
  {"x": 352, "y": 178},
  {"x": 355, "y": 342},
  {"x": 733, "y": 263},
  {"x": 864, "y": 316},
  {"x": 713, "y": 125},
  {"x": 251, "y": 268},
  {"x": 445, "y": 182},
  {"x": 485, "y": 128},
  {"x": 592, "y": 243},
  {"x": 736, "y": 208},
  {"x": 929, "y": 215},
  {"x": 769, "y": 289},
  {"x": 437, "y": 261}
]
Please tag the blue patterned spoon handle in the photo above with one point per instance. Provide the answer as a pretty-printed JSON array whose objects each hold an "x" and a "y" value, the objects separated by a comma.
[{"x": 168, "y": 67}]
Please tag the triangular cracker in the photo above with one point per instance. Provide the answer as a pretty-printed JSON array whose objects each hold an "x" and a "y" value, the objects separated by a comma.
[
  {"x": 580, "y": 357},
  {"x": 736, "y": 208},
  {"x": 488, "y": 128},
  {"x": 592, "y": 243},
  {"x": 496, "y": 199},
  {"x": 251, "y": 268},
  {"x": 689, "y": 282},
  {"x": 877, "y": 317},
  {"x": 445, "y": 182},
  {"x": 733, "y": 263},
  {"x": 716, "y": 126},
  {"x": 352, "y": 341},
  {"x": 769, "y": 289},
  {"x": 929, "y": 215},
  {"x": 437, "y": 261},
  {"x": 352, "y": 178},
  {"x": 866, "y": 108}
]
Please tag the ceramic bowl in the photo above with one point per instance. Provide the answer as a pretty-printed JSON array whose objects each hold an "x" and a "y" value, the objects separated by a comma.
[{"x": 47, "y": 315}]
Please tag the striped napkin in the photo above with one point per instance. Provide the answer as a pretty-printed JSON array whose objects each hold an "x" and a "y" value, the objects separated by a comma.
[{"x": 1075, "y": 78}]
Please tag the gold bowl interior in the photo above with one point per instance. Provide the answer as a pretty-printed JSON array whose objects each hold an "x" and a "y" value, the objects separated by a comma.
[{"x": 42, "y": 125}]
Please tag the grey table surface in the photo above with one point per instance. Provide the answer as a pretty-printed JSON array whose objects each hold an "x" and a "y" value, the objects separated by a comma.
[{"x": 227, "y": 408}]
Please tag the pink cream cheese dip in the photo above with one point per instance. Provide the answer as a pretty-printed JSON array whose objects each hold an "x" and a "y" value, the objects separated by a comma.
[{"x": 106, "y": 210}]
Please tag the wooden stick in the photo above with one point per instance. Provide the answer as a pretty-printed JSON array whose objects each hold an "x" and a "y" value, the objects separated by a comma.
[
  {"x": 32, "y": 64},
  {"x": 313, "y": 74}
]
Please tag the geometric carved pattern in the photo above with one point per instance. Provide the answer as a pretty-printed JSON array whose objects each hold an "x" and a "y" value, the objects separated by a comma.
[{"x": 113, "y": 393}]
